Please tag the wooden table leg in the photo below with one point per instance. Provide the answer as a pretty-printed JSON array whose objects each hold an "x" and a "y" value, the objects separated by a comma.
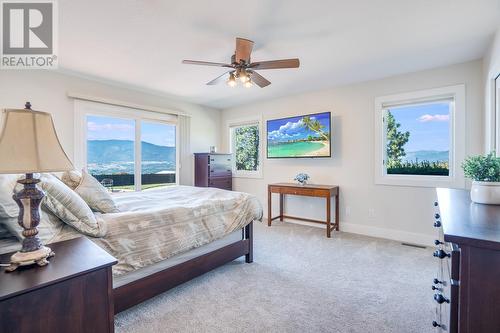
[
  {"x": 269, "y": 207},
  {"x": 328, "y": 218},
  {"x": 337, "y": 211},
  {"x": 281, "y": 206}
]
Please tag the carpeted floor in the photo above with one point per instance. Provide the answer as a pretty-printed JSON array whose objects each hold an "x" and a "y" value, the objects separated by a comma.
[{"x": 300, "y": 281}]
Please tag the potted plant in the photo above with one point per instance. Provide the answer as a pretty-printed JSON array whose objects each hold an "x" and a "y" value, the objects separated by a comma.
[{"x": 484, "y": 171}]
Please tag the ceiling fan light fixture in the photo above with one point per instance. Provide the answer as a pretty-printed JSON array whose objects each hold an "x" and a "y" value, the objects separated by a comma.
[
  {"x": 242, "y": 70},
  {"x": 231, "y": 81},
  {"x": 243, "y": 76}
]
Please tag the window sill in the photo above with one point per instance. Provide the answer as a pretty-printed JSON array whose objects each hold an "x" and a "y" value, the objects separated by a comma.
[
  {"x": 420, "y": 181},
  {"x": 248, "y": 175}
]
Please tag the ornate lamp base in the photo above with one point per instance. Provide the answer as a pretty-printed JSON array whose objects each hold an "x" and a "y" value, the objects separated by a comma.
[
  {"x": 38, "y": 257},
  {"x": 33, "y": 251}
]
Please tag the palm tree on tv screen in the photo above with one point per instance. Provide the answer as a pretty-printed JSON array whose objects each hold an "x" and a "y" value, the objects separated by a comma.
[{"x": 315, "y": 126}]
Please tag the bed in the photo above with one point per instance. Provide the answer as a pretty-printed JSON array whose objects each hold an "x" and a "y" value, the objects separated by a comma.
[{"x": 165, "y": 237}]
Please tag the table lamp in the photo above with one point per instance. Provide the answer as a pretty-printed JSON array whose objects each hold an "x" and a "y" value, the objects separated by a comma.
[{"x": 29, "y": 144}]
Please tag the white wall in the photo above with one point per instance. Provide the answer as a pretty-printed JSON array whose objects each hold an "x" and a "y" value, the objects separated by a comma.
[
  {"x": 402, "y": 213},
  {"x": 491, "y": 68},
  {"x": 46, "y": 90}
]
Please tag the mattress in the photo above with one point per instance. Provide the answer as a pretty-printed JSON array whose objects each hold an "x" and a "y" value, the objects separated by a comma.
[{"x": 177, "y": 259}]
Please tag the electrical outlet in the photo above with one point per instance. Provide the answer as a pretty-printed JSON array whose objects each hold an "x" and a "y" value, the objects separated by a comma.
[
  {"x": 371, "y": 212},
  {"x": 347, "y": 210}
]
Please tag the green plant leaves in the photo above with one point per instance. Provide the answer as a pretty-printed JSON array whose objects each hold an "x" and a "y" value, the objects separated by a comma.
[{"x": 482, "y": 168}]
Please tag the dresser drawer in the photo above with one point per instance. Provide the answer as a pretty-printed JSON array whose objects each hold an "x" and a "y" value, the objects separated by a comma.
[
  {"x": 224, "y": 183},
  {"x": 219, "y": 166}
]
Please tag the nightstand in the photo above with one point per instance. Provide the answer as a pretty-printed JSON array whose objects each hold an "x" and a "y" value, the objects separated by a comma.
[{"x": 73, "y": 293}]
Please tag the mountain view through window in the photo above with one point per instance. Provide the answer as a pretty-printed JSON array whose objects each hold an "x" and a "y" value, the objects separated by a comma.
[
  {"x": 111, "y": 156},
  {"x": 418, "y": 139}
]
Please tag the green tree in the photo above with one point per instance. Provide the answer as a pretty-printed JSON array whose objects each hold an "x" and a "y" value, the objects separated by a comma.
[
  {"x": 396, "y": 140},
  {"x": 315, "y": 126},
  {"x": 247, "y": 148}
]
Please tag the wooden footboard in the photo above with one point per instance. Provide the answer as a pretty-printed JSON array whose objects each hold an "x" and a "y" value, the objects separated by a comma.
[{"x": 140, "y": 290}]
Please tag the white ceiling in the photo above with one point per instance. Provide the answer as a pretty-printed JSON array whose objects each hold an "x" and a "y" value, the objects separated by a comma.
[{"x": 141, "y": 43}]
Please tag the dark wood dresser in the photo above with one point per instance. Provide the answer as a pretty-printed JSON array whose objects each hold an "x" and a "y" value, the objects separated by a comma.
[
  {"x": 73, "y": 293},
  {"x": 467, "y": 285},
  {"x": 213, "y": 170}
]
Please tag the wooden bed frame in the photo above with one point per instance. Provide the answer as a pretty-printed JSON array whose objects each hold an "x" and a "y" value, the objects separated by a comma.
[{"x": 142, "y": 289}]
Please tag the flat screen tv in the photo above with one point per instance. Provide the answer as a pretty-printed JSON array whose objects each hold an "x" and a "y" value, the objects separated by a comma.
[{"x": 300, "y": 136}]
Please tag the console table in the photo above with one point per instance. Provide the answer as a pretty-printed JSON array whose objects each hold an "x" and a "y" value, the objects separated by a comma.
[{"x": 319, "y": 191}]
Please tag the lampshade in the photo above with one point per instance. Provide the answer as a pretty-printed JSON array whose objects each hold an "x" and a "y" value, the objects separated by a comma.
[{"x": 29, "y": 143}]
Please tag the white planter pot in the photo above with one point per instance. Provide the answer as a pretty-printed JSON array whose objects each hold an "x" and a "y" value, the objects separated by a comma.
[{"x": 485, "y": 192}]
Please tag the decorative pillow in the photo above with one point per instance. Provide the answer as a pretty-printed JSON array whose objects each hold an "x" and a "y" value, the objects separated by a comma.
[
  {"x": 8, "y": 207},
  {"x": 95, "y": 195},
  {"x": 49, "y": 227},
  {"x": 69, "y": 207},
  {"x": 4, "y": 232},
  {"x": 72, "y": 178}
]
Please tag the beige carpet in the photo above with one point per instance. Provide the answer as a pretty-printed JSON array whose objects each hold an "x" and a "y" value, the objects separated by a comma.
[{"x": 300, "y": 281}]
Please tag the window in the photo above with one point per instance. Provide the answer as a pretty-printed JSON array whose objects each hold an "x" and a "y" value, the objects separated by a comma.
[
  {"x": 126, "y": 149},
  {"x": 158, "y": 156},
  {"x": 420, "y": 138},
  {"x": 245, "y": 145}
]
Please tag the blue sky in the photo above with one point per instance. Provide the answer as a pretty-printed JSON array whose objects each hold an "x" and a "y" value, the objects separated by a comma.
[
  {"x": 428, "y": 126},
  {"x": 292, "y": 129},
  {"x": 107, "y": 128}
]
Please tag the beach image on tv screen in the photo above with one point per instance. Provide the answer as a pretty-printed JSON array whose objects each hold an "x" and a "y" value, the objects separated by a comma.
[{"x": 301, "y": 136}]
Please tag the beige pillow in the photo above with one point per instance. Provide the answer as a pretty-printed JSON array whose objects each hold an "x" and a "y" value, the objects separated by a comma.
[
  {"x": 70, "y": 207},
  {"x": 95, "y": 195},
  {"x": 8, "y": 207},
  {"x": 50, "y": 226},
  {"x": 72, "y": 178}
]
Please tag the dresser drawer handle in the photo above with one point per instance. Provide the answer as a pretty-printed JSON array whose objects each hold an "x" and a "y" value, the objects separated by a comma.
[
  {"x": 437, "y": 216},
  {"x": 436, "y": 203},
  {"x": 438, "y": 242},
  {"x": 441, "y": 254},
  {"x": 436, "y": 281},
  {"x": 440, "y": 299},
  {"x": 437, "y": 224},
  {"x": 435, "y": 324}
]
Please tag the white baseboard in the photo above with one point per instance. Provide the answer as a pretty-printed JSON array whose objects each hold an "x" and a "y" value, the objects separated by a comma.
[
  {"x": 397, "y": 235},
  {"x": 366, "y": 230}
]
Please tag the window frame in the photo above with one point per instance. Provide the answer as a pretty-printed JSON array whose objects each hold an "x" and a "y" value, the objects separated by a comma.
[
  {"x": 88, "y": 108},
  {"x": 457, "y": 137},
  {"x": 239, "y": 123}
]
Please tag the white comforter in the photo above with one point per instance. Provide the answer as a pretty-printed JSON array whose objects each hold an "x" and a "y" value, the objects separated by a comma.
[{"x": 157, "y": 224}]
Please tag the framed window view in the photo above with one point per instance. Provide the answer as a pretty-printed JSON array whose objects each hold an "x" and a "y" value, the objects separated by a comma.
[
  {"x": 419, "y": 137},
  {"x": 497, "y": 111}
]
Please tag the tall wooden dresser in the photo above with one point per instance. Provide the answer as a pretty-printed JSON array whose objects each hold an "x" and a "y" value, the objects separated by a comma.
[
  {"x": 467, "y": 284},
  {"x": 213, "y": 170}
]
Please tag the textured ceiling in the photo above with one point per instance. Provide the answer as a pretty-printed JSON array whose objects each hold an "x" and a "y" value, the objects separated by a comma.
[{"x": 142, "y": 43}]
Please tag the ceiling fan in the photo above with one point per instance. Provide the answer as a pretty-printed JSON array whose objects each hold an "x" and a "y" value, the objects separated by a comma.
[{"x": 243, "y": 69}]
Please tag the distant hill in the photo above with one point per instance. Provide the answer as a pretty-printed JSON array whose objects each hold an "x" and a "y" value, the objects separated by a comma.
[
  {"x": 108, "y": 151},
  {"x": 427, "y": 155}
]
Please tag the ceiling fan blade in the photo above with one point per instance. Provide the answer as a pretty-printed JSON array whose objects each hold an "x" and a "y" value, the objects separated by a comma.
[
  {"x": 284, "y": 63},
  {"x": 259, "y": 79},
  {"x": 219, "y": 79},
  {"x": 205, "y": 63},
  {"x": 243, "y": 49}
]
